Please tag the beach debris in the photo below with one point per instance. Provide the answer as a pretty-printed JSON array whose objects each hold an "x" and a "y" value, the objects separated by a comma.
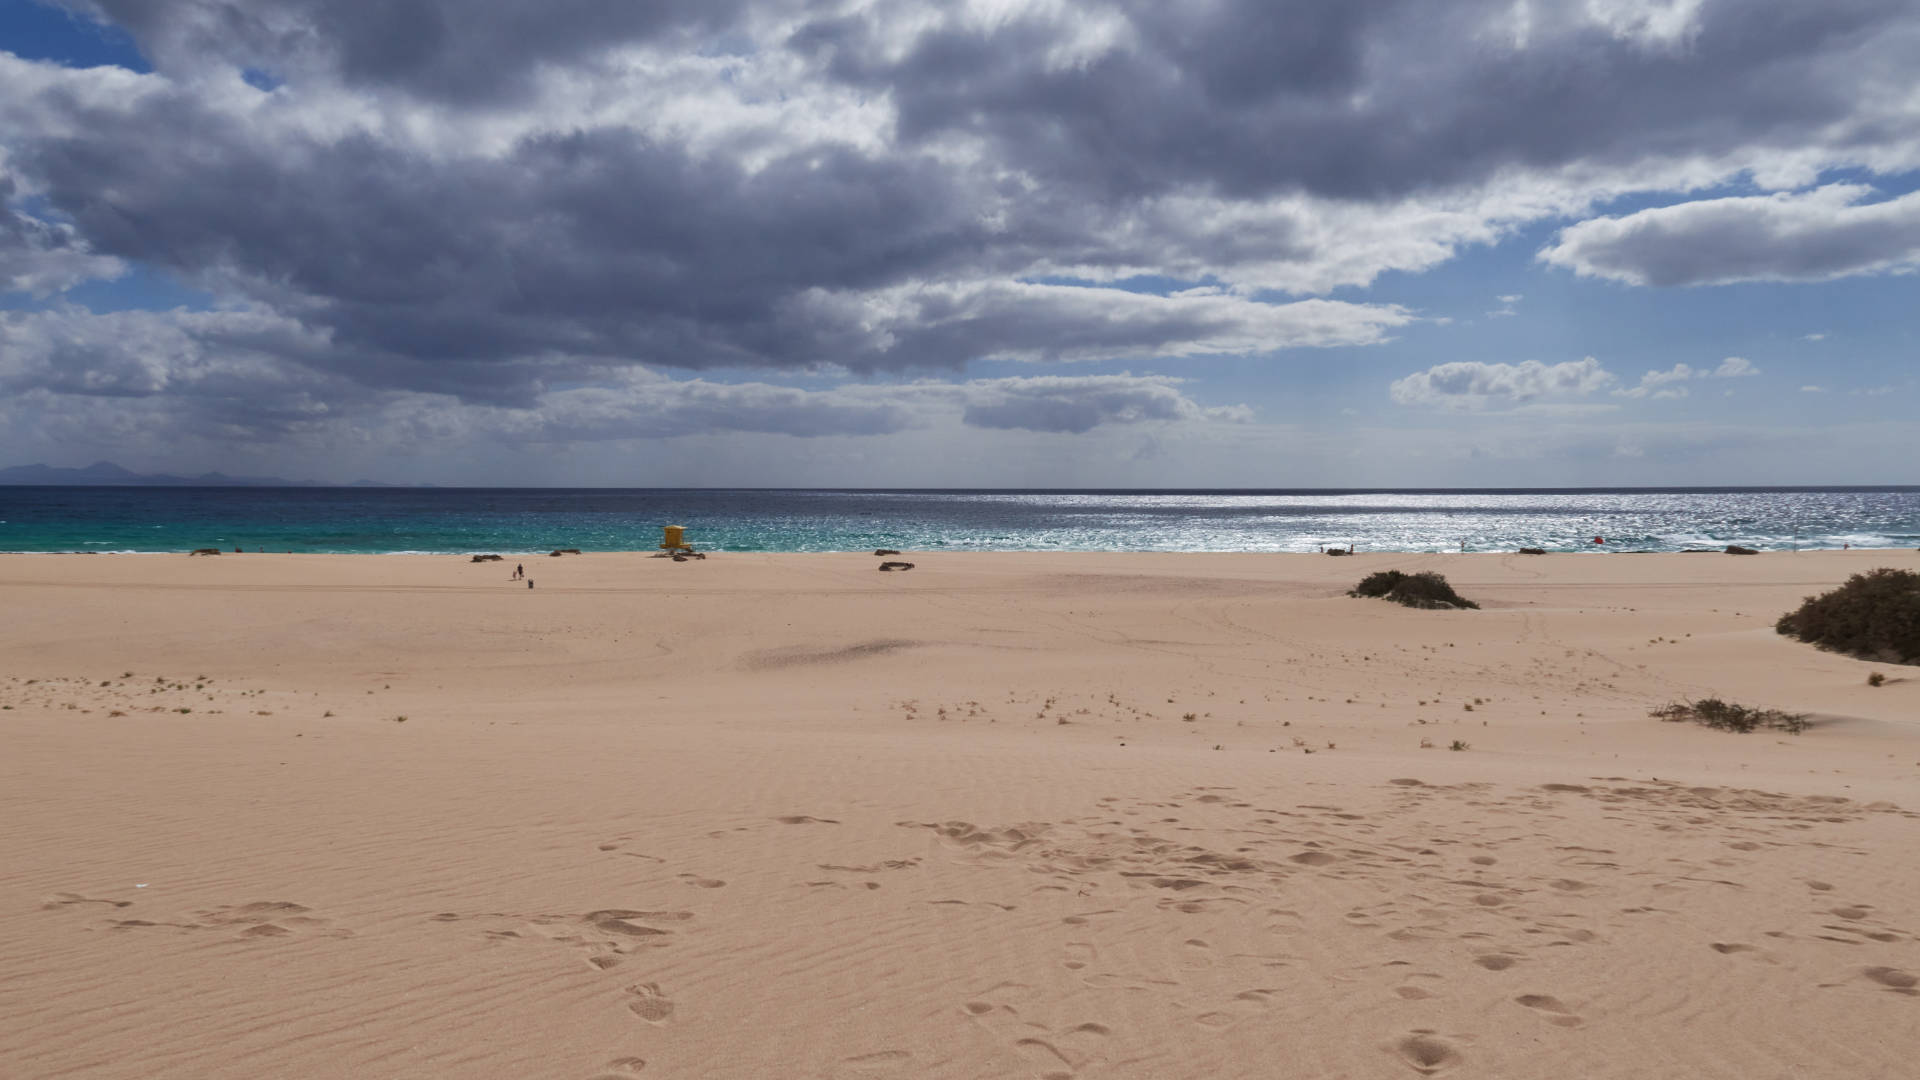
[
  {"x": 1533, "y": 551},
  {"x": 1874, "y": 616},
  {"x": 1337, "y": 550},
  {"x": 204, "y": 551},
  {"x": 896, "y": 566},
  {"x": 1736, "y": 549},
  {"x": 885, "y": 551},
  {"x": 485, "y": 558},
  {"x": 1423, "y": 590}
]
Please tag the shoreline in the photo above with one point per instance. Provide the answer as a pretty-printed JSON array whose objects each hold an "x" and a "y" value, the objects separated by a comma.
[{"x": 545, "y": 552}]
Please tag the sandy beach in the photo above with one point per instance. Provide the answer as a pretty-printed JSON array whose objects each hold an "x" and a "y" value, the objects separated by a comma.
[{"x": 1005, "y": 815}]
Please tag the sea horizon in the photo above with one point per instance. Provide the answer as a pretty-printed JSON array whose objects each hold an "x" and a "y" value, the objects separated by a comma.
[{"x": 450, "y": 520}]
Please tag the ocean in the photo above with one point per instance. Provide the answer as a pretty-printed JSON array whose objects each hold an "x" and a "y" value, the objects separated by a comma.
[{"x": 511, "y": 521}]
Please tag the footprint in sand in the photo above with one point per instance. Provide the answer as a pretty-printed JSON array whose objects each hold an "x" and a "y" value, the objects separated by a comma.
[
  {"x": 1079, "y": 955},
  {"x": 1894, "y": 979},
  {"x": 620, "y": 1069},
  {"x": 1066, "y": 1052},
  {"x": 649, "y": 1003},
  {"x": 267, "y": 919},
  {"x": 626, "y": 923},
  {"x": 804, "y": 819},
  {"x": 1495, "y": 961},
  {"x": 1426, "y": 1052},
  {"x": 880, "y": 1063},
  {"x": 1557, "y": 1013},
  {"x": 699, "y": 882},
  {"x": 67, "y": 899}
]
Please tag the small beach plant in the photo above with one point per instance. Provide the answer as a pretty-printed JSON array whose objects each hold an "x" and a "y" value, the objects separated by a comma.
[{"x": 1727, "y": 716}]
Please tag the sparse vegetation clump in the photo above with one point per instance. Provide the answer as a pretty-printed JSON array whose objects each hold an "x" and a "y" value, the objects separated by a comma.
[
  {"x": 1726, "y": 716},
  {"x": 1422, "y": 590},
  {"x": 1874, "y": 616}
]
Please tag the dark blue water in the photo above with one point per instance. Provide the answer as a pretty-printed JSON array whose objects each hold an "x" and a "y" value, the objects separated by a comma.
[{"x": 449, "y": 520}]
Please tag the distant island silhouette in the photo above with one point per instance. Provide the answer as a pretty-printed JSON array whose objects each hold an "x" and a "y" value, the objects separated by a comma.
[{"x": 107, "y": 474}]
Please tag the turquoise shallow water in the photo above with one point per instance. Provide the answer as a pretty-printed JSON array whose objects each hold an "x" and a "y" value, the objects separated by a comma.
[{"x": 471, "y": 520}]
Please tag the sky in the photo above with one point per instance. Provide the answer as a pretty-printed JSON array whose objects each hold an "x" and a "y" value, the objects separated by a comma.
[{"x": 972, "y": 243}]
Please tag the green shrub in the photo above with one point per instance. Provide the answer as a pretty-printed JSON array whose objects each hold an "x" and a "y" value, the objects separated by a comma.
[
  {"x": 1726, "y": 716},
  {"x": 1874, "y": 616},
  {"x": 1422, "y": 590}
]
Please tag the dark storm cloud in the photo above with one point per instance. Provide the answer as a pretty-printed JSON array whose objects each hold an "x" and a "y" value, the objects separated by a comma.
[
  {"x": 1078, "y": 405},
  {"x": 649, "y": 407},
  {"x": 1814, "y": 236},
  {"x": 460, "y": 275},
  {"x": 42, "y": 257},
  {"x": 1373, "y": 98},
  {"x": 449, "y": 50},
  {"x": 600, "y": 242}
]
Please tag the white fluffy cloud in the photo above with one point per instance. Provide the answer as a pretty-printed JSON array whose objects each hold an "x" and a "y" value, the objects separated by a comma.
[
  {"x": 1671, "y": 383},
  {"x": 1828, "y": 232},
  {"x": 1476, "y": 385}
]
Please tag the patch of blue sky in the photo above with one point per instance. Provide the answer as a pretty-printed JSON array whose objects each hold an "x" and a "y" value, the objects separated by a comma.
[
  {"x": 139, "y": 289},
  {"x": 33, "y": 30},
  {"x": 261, "y": 79}
]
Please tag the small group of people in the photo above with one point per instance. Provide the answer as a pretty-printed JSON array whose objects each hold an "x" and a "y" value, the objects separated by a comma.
[{"x": 520, "y": 574}]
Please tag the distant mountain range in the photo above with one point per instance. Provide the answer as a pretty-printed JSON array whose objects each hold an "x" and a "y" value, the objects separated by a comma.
[{"x": 106, "y": 473}]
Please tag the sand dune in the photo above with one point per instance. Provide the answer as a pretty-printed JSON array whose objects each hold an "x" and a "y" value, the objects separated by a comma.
[{"x": 1005, "y": 815}]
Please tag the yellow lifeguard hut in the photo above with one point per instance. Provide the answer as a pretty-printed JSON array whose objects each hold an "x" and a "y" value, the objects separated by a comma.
[{"x": 675, "y": 539}]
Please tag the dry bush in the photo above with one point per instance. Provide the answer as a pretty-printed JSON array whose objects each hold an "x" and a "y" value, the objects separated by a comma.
[
  {"x": 1874, "y": 616},
  {"x": 1422, "y": 590},
  {"x": 1726, "y": 716}
]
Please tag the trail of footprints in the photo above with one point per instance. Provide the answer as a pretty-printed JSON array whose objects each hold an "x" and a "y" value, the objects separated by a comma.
[
  {"x": 1420, "y": 867},
  {"x": 257, "y": 920},
  {"x": 1408, "y": 858}
]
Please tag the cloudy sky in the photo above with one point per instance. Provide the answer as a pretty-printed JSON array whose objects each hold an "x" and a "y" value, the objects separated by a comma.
[{"x": 1105, "y": 243}]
